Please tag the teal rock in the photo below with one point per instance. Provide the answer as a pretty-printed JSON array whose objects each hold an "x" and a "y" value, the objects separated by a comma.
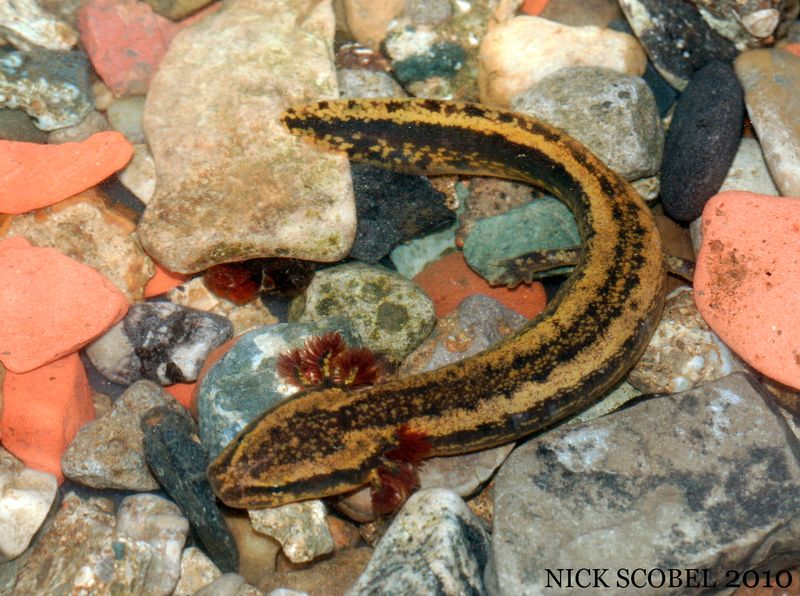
[
  {"x": 441, "y": 60},
  {"x": 244, "y": 382},
  {"x": 412, "y": 257},
  {"x": 542, "y": 224},
  {"x": 390, "y": 313}
]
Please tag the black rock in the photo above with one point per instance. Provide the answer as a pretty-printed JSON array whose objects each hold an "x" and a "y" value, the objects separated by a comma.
[
  {"x": 702, "y": 141},
  {"x": 393, "y": 208},
  {"x": 178, "y": 460}
]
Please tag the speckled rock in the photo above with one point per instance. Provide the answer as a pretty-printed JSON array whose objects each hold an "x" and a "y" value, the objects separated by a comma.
[
  {"x": 53, "y": 87},
  {"x": 139, "y": 176},
  {"x": 26, "y": 25},
  {"x": 245, "y": 382},
  {"x": 749, "y": 170},
  {"x": 297, "y": 200},
  {"x": 390, "y": 314},
  {"x": 522, "y": 51},
  {"x": 683, "y": 353},
  {"x": 25, "y": 499},
  {"x": 677, "y": 39},
  {"x": 363, "y": 83},
  {"x": 331, "y": 577},
  {"x": 92, "y": 123},
  {"x": 702, "y": 141},
  {"x": 179, "y": 462},
  {"x": 613, "y": 114},
  {"x": 683, "y": 478},
  {"x": 434, "y": 545},
  {"x": 197, "y": 571},
  {"x": 749, "y": 23},
  {"x": 393, "y": 208},
  {"x": 16, "y": 125},
  {"x": 109, "y": 452},
  {"x": 160, "y": 341},
  {"x": 770, "y": 79},
  {"x": 177, "y": 9},
  {"x": 88, "y": 230},
  {"x": 300, "y": 528}
]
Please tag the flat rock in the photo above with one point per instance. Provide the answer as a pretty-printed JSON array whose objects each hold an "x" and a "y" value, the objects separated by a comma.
[
  {"x": 770, "y": 79},
  {"x": 697, "y": 480},
  {"x": 301, "y": 529},
  {"x": 749, "y": 170},
  {"x": 746, "y": 279},
  {"x": 226, "y": 164},
  {"x": 702, "y": 141},
  {"x": 164, "y": 342},
  {"x": 109, "y": 452},
  {"x": 26, "y": 24},
  {"x": 523, "y": 50}
]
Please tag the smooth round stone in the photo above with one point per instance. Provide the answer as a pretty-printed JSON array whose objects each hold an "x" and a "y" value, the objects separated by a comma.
[
  {"x": 746, "y": 281},
  {"x": 125, "y": 116},
  {"x": 702, "y": 141}
]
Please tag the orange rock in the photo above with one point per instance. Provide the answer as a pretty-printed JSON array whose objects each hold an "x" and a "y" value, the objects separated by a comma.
[
  {"x": 533, "y": 7},
  {"x": 794, "y": 48},
  {"x": 43, "y": 410},
  {"x": 50, "y": 305},
  {"x": 163, "y": 281},
  {"x": 182, "y": 392},
  {"x": 34, "y": 175},
  {"x": 449, "y": 280},
  {"x": 747, "y": 276}
]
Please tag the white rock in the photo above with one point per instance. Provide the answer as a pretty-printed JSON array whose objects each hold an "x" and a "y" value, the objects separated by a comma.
[
  {"x": 26, "y": 25},
  {"x": 301, "y": 529},
  {"x": 197, "y": 571}
]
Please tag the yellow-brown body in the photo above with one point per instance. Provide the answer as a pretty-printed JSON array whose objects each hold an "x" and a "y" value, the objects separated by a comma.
[{"x": 326, "y": 442}]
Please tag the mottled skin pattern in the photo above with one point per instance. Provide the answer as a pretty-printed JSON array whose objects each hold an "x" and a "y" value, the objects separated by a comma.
[{"x": 330, "y": 441}]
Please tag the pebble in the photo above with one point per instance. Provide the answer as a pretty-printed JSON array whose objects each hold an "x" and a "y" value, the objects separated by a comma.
[
  {"x": 613, "y": 114},
  {"x": 179, "y": 462},
  {"x": 229, "y": 584},
  {"x": 434, "y": 545},
  {"x": 449, "y": 280},
  {"x": 368, "y": 21},
  {"x": 109, "y": 452},
  {"x": 205, "y": 181},
  {"x": 540, "y": 225},
  {"x": 363, "y": 83},
  {"x": 749, "y": 170},
  {"x": 36, "y": 176},
  {"x": 746, "y": 279},
  {"x": 683, "y": 353},
  {"x": 163, "y": 281},
  {"x": 125, "y": 116},
  {"x": 197, "y": 571},
  {"x": 51, "y": 305},
  {"x": 682, "y": 478},
  {"x": 749, "y": 23},
  {"x": 139, "y": 176},
  {"x": 257, "y": 552},
  {"x": 159, "y": 523},
  {"x": 87, "y": 230},
  {"x": 392, "y": 208},
  {"x": 26, "y": 24},
  {"x": 676, "y": 38},
  {"x": 412, "y": 257},
  {"x": 53, "y": 87},
  {"x": 702, "y": 141},
  {"x": 770, "y": 79},
  {"x": 16, "y": 125},
  {"x": 331, "y": 577},
  {"x": 92, "y": 123},
  {"x": 164, "y": 342},
  {"x": 300, "y": 528},
  {"x": 177, "y": 9},
  {"x": 523, "y": 50},
  {"x": 391, "y": 314},
  {"x": 25, "y": 500},
  {"x": 244, "y": 382}
]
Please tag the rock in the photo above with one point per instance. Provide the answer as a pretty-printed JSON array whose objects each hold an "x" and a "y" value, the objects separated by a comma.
[
  {"x": 177, "y": 9},
  {"x": 390, "y": 314},
  {"x": 16, "y": 125},
  {"x": 92, "y": 123},
  {"x": 769, "y": 78},
  {"x": 683, "y": 353},
  {"x": 487, "y": 197},
  {"x": 682, "y": 479},
  {"x": 449, "y": 280},
  {"x": 749, "y": 170},
  {"x": 139, "y": 176},
  {"x": 87, "y": 229},
  {"x": 363, "y": 83},
  {"x": 245, "y": 381},
  {"x": 677, "y": 39},
  {"x": 749, "y": 23},
  {"x": 160, "y": 341},
  {"x": 435, "y": 545},
  {"x": 495, "y": 243},
  {"x": 419, "y": 53},
  {"x": 53, "y": 87},
  {"x": 331, "y": 577},
  {"x": 300, "y": 528},
  {"x": 27, "y": 25},
  {"x": 125, "y": 116},
  {"x": 109, "y": 452},
  {"x": 581, "y": 13},
  {"x": 228, "y": 584},
  {"x": 522, "y": 51},
  {"x": 25, "y": 500},
  {"x": 158, "y": 523},
  {"x": 746, "y": 279},
  {"x": 393, "y": 208},
  {"x": 368, "y": 21},
  {"x": 163, "y": 281},
  {"x": 179, "y": 462},
  {"x": 613, "y": 114},
  {"x": 43, "y": 409},
  {"x": 257, "y": 552},
  {"x": 411, "y": 258},
  {"x": 702, "y": 141},
  {"x": 296, "y": 200},
  {"x": 197, "y": 571}
]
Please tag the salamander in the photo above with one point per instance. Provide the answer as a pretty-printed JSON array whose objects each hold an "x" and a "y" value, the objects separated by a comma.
[{"x": 325, "y": 442}]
